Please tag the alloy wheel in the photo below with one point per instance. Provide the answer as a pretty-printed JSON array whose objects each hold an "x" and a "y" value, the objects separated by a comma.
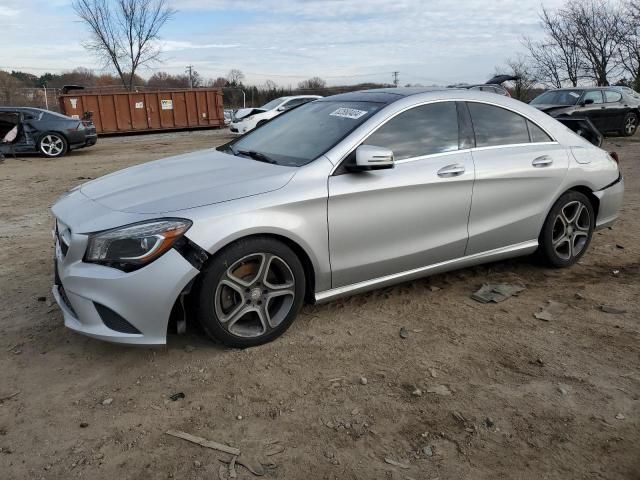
[
  {"x": 254, "y": 295},
  {"x": 571, "y": 230},
  {"x": 631, "y": 124},
  {"x": 52, "y": 145}
]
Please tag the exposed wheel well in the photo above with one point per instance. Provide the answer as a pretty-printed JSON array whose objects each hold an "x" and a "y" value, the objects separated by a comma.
[{"x": 587, "y": 192}]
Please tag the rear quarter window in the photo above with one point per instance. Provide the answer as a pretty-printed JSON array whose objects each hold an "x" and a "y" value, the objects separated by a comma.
[
  {"x": 494, "y": 126},
  {"x": 611, "y": 96}
]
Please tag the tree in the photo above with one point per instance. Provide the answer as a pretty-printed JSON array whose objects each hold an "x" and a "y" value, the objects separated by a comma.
[
  {"x": 270, "y": 85},
  {"x": 124, "y": 33},
  {"x": 597, "y": 29},
  {"x": 557, "y": 60},
  {"x": 630, "y": 45},
  {"x": 314, "y": 83},
  {"x": 235, "y": 77},
  {"x": 521, "y": 68},
  {"x": 218, "y": 82}
]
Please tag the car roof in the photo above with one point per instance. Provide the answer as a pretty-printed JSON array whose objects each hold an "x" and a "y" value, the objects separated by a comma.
[
  {"x": 381, "y": 95},
  {"x": 22, "y": 109},
  {"x": 580, "y": 88}
]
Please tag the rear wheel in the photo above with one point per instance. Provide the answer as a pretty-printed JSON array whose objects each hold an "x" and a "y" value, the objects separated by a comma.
[
  {"x": 630, "y": 124},
  {"x": 567, "y": 231},
  {"x": 52, "y": 145},
  {"x": 251, "y": 292}
]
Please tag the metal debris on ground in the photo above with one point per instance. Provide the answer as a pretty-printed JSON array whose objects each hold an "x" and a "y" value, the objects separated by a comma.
[
  {"x": 612, "y": 310},
  {"x": 404, "y": 333},
  {"x": 550, "y": 311},
  {"x": 497, "y": 292},
  {"x": 203, "y": 442},
  {"x": 176, "y": 396}
]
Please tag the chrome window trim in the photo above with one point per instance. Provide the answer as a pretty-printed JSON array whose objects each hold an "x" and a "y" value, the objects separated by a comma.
[{"x": 424, "y": 157}]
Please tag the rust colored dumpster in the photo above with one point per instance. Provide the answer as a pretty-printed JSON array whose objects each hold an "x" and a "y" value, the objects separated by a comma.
[{"x": 147, "y": 111}]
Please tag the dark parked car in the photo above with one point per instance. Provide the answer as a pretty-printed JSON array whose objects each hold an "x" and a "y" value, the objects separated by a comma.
[
  {"x": 608, "y": 108},
  {"x": 33, "y": 130}
]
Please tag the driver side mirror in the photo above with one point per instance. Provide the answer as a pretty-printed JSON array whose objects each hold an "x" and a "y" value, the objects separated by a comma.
[
  {"x": 369, "y": 157},
  {"x": 588, "y": 101},
  {"x": 281, "y": 109}
]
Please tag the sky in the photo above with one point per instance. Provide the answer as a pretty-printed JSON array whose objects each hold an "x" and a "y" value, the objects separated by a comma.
[{"x": 343, "y": 41}]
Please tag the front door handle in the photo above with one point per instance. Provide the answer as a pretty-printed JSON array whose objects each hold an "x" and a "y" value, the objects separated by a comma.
[
  {"x": 451, "y": 170},
  {"x": 543, "y": 161}
]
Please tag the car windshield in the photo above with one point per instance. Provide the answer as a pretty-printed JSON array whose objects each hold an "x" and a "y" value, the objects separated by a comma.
[
  {"x": 272, "y": 104},
  {"x": 304, "y": 133},
  {"x": 558, "y": 97}
]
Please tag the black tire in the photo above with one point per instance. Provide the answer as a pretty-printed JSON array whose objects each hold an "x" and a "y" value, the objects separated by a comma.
[
  {"x": 562, "y": 248},
  {"x": 630, "y": 124},
  {"x": 52, "y": 145},
  {"x": 261, "y": 122},
  {"x": 219, "y": 292}
]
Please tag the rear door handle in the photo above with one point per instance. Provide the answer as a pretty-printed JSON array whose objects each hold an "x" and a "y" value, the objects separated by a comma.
[
  {"x": 543, "y": 161},
  {"x": 451, "y": 170}
]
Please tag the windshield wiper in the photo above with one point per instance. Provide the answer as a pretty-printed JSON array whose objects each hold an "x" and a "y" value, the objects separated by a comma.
[{"x": 261, "y": 157}]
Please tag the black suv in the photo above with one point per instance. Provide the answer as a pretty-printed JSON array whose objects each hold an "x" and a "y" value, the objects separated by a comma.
[
  {"x": 33, "y": 130},
  {"x": 608, "y": 108}
]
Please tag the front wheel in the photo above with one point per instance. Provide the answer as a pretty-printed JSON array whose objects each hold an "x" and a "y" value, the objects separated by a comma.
[
  {"x": 52, "y": 145},
  {"x": 567, "y": 231},
  {"x": 630, "y": 124},
  {"x": 251, "y": 292}
]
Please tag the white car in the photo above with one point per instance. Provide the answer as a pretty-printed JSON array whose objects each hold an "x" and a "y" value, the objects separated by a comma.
[{"x": 246, "y": 119}]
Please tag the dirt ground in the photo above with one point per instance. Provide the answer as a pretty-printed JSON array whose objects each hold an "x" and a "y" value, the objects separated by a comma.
[{"x": 474, "y": 391}]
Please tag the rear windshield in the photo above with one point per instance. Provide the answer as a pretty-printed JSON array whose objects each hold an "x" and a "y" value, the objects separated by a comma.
[
  {"x": 305, "y": 133},
  {"x": 558, "y": 97}
]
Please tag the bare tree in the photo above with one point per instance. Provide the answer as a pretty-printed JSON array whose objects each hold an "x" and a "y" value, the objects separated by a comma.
[
  {"x": 124, "y": 33},
  {"x": 596, "y": 27},
  {"x": 557, "y": 58},
  {"x": 630, "y": 45},
  {"x": 235, "y": 77},
  {"x": 270, "y": 85},
  {"x": 521, "y": 68},
  {"x": 218, "y": 82},
  {"x": 313, "y": 83}
]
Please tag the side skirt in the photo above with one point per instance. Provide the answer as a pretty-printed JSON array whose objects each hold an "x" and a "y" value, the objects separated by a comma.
[{"x": 519, "y": 249}]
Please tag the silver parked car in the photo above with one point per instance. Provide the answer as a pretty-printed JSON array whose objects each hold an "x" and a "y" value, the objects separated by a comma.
[{"x": 341, "y": 195}]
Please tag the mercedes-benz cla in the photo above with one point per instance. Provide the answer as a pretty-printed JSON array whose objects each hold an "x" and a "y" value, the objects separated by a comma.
[{"x": 338, "y": 196}]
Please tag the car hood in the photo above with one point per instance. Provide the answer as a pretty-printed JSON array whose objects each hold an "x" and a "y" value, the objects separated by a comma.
[
  {"x": 553, "y": 109},
  {"x": 186, "y": 181},
  {"x": 247, "y": 112}
]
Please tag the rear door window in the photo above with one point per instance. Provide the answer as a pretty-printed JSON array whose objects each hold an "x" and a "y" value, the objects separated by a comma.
[
  {"x": 595, "y": 95},
  {"x": 495, "y": 126},
  {"x": 423, "y": 130},
  {"x": 611, "y": 96}
]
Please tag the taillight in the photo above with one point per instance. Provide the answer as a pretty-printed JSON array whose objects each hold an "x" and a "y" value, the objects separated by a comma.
[{"x": 615, "y": 157}]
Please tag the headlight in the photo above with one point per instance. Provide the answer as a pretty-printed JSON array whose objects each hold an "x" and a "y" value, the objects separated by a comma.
[{"x": 136, "y": 245}]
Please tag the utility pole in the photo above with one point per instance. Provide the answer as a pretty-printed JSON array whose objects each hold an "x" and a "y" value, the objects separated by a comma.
[
  {"x": 396, "y": 80},
  {"x": 189, "y": 70}
]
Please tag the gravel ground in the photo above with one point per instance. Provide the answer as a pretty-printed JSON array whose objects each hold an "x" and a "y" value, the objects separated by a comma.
[{"x": 469, "y": 391}]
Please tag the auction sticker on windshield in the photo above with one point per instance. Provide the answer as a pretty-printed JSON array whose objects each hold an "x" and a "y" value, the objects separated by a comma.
[{"x": 348, "y": 113}]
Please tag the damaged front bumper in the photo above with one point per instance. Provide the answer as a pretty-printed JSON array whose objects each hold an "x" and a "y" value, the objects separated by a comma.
[{"x": 115, "y": 306}]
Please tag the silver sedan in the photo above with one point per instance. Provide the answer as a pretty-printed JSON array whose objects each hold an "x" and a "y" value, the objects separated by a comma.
[{"x": 339, "y": 196}]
